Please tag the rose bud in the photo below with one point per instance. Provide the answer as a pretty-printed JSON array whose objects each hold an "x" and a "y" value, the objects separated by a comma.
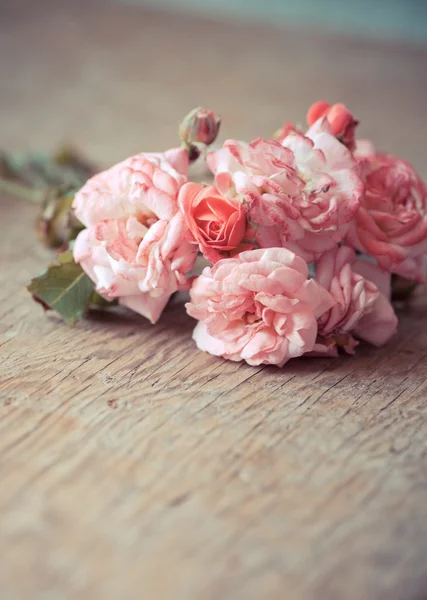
[
  {"x": 200, "y": 126},
  {"x": 316, "y": 111},
  {"x": 57, "y": 223},
  {"x": 340, "y": 120}
]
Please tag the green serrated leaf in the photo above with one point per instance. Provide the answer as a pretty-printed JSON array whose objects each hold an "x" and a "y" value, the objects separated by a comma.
[{"x": 63, "y": 287}]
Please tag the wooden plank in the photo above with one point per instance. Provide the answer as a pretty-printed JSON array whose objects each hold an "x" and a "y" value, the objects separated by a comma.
[{"x": 132, "y": 465}]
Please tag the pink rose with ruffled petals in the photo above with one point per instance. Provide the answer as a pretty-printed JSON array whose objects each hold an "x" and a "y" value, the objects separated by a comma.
[
  {"x": 391, "y": 223},
  {"x": 142, "y": 185},
  {"x": 361, "y": 309},
  {"x": 300, "y": 194},
  {"x": 140, "y": 266},
  {"x": 331, "y": 193},
  {"x": 216, "y": 221},
  {"x": 264, "y": 175},
  {"x": 135, "y": 247},
  {"x": 258, "y": 307}
]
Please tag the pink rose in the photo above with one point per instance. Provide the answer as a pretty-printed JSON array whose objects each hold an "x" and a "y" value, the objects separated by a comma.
[
  {"x": 135, "y": 247},
  {"x": 216, "y": 221},
  {"x": 148, "y": 179},
  {"x": 361, "y": 309},
  {"x": 391, "y": 223},
  {"x": 258, "y": 307},
  {"x": 263, "y": 174},
  {"x": 300, "y": 194},
  {"x": 331, "y": 193}
]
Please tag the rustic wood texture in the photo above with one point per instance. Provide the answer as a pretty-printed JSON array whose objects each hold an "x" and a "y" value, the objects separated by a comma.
[{"x": 133, "y": 466}]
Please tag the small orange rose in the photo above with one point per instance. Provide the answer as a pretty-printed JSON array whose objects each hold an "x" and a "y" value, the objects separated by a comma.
[{"x": 216, "y": 222}]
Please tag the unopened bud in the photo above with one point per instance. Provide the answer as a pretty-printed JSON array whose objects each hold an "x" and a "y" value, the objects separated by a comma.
[
  {"x": 340, "y": 119},
  {"x": 200, "y": 126},
  {"x": 316, "y": 111},
  {"x": 57, "y": 224}
]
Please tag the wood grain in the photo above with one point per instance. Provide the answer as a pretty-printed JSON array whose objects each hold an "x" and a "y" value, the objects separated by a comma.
[{"x": 133, "y": 466}]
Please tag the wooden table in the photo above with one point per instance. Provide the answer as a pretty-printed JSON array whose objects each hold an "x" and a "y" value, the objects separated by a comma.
[{"x": 133, "y": 466}]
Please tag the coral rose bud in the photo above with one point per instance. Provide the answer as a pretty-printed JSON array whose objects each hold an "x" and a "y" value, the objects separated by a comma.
[
  {"x": 340, "y": 120},
  {"x": 200, "y": 126},
  {"x": 317, "y": 111}
]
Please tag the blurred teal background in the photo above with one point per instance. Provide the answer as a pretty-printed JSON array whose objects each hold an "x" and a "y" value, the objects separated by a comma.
[{"x": 396, "y": 19}]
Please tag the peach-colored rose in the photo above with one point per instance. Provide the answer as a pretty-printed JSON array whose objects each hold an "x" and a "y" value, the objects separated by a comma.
[
  {"x": 216, "y": 221},
  {"x": 258, "y": 307},
  {"x": 135, "y": 246},
  {"x": 300, "y": 194},
  {"x": 150, "y": 180},
  {"x": 391, "y": 223},
  {"x": 342, "y": 123},
  {"x": 361, "y": 309}
]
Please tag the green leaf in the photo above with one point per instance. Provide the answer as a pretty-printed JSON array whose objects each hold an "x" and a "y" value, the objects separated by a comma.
[{"x": 63, "y": 287}]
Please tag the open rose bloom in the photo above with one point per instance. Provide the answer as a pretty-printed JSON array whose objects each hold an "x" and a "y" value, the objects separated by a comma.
[
  {"x": 301, "y": 194},
  {"x": 259, "y": 307},
  {"x": 301, "y": 233},
  {"x": 134, "y": 247},
  {"x": 360, "y": 310},
  {"x": 391, "y": 223}
]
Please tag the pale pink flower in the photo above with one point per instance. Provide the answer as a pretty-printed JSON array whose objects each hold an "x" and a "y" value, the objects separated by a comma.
[
  {"x": 300, "y": 194},
  {"x": 331, "y": 193},
  {"x": 258, "y": 307},
  {"x": 262, "y": 174},
  {"x": 361, "y": 310},
  {"x": 144, "y": 184},
  {"x": 140, "y": 266},
  {"x": 391, "y": 223},
  {"x": 135, "y": 247}
]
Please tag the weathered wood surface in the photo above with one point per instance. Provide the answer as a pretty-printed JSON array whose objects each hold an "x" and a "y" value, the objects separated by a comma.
[{"x": 133, "y": 466}]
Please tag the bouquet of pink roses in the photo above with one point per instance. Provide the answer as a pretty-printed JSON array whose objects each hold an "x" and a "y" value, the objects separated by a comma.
[{"x": 301, "y": 234}]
